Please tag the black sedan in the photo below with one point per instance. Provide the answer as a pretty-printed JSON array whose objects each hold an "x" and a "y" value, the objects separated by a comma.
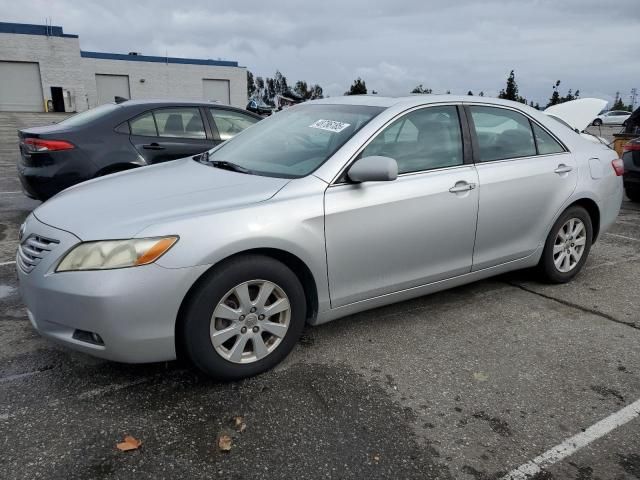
[
  {"x": 120, "y": 136},
  {"x": 631, "y": 159}
]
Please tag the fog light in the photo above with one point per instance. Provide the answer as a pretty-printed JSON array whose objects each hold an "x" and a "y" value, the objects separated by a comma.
[{"x": 88, "y": 337}]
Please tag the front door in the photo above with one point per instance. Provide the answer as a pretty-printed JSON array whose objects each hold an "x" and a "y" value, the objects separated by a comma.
[{"x": 383, "y": 237}]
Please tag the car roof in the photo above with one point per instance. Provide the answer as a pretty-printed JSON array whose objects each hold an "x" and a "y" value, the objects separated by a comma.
[
  {"x": 171, "y": 102},
  {"x": 411, "y": 100}
]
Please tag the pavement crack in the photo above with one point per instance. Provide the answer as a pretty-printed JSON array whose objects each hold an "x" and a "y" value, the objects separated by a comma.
[{"x": 576, "y": 306}]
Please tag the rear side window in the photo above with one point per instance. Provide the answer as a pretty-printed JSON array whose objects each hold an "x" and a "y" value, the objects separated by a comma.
[
  {"x": 88, "y": 116},
  {"x": 502, "y": 134},
  {"x": 144, "y": 125},
  {"x": 230, "y": 123},
  {"x": 421, "y": 140},
  {"x": 180, "y": 122},
  {"x": 545, "y": 142}
]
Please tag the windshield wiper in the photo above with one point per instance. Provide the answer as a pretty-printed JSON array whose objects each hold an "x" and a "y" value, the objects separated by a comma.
[{"x": 234, "y": 167}]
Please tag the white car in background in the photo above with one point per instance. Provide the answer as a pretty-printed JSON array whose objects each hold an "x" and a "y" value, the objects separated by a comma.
[
  {"x": 614, "y": 117},
  {"x": 578, "y": 114}
]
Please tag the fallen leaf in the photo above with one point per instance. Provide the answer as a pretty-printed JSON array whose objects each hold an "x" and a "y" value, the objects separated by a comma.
[
  {"x": 376, "y": 458},
  {"x": 130, "y": 443},
  {"x": 239, "y": 424},
  {"x": 224, "y": 443},
  {"x": 481, "y": 377}
]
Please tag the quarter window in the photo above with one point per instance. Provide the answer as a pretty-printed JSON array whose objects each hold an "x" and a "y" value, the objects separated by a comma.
[
  {"x": 230, "y": 123},
  {"x": 421, "y": 140},
  {"x": 180, "y": 122},
  {"x": 545, "y": 142},
  {"x": 144, "y": 125},
  {"x": 502, "y": 134}
]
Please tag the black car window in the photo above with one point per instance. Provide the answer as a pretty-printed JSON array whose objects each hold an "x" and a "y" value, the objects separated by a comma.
[
  {"x": 421, "y": 140},
  {"x": 144, "y": 125},
  {"x": 545, "y": 142},
  {"x": 502, "y": 134},
  {"x": 230, "y": 123},
  {"x": 181, "y": 122}
]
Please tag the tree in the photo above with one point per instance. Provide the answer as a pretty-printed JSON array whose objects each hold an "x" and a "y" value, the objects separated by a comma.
[
  {"x": 511, "y": 90},
  {"x": 302, "y": 89},
  {"x": 619, "y": 105},
  {"x": 359, "y": 87},
  {"x": 280, "y": 84},
  {"x": 556, "y": 98},
  {"x": 481, "y": 94},
  {"x": 421, "y": 89},
  {"x": 316, "y": 92},
  {"x": 470, "y": 93},
  {"x": 251, "y": 85}
]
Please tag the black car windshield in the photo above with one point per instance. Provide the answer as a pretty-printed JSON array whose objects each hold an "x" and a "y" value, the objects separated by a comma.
[
  {"x": 83, "y": 118},
  {"x": 295, "y": 142}
]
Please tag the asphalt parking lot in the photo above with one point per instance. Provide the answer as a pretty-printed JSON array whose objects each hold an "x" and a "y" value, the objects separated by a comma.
[{"x": 466, "y": 384}]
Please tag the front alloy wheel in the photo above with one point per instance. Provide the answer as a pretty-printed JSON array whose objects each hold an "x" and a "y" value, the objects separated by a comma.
[
  {"x": 243, "y": 317},
  {"x": 250, "y": 321}
]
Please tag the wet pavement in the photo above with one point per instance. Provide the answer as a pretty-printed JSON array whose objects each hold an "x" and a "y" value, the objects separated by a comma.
[{"x": 464, "y": 384}]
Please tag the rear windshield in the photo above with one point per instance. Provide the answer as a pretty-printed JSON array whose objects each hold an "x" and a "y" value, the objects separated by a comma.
[
  {"x": 83, "y": 118},
  {"x": 295, "y": 142}
]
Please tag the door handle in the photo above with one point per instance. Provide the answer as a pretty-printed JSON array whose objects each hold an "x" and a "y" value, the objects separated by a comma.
[
  {"x": 153, "y": 146},
  {"x": 462, "y": 187},
  {"x": 562, "y": 168}
]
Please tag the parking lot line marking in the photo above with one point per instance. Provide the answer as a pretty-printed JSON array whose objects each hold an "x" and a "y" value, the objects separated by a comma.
[
  {"x": 623, "y": 236},
  {"x": 17, "y": 376},
  {"x": 2, "y": 264},
  {"x": 575, "y": 443},
  {"x": 9, "y": 193}
]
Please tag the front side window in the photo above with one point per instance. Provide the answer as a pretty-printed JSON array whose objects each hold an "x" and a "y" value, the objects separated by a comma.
[
  {"x": 230, "y": 123},
  {"x": 502, "y": 134},
  {"x": 421, "y": 140},
  {"x": 183, "y": 122},
  {"x": 296, "y": 141}
]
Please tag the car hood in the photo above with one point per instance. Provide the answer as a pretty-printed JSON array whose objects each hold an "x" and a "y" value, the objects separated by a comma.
[
  {"x": 578, "y": 113},
  {"x": 123, "y": 204}
]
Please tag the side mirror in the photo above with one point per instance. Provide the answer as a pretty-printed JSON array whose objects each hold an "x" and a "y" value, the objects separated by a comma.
[{"x": 373, "y": 169}]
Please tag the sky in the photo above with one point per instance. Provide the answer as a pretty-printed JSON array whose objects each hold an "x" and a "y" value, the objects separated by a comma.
[{"x": 456, "y": 45}]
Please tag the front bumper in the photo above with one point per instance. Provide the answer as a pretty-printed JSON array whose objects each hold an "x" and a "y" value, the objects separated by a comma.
[{"x": 134, "y": 310}]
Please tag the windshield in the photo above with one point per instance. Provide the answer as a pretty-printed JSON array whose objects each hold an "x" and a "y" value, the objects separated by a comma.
[
  {"x": 294, "y": 142},
  {"x": 83, "y": 118}
]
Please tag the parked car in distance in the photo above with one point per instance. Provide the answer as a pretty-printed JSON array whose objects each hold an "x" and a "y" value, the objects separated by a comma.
[
  {"x": 328, "y": 208},
  {"x": 259, "y": 108},
  {"x": 631, "y": 178},
  {"x": 120, "y": 136},
  {"x": 613, "y": 117}
]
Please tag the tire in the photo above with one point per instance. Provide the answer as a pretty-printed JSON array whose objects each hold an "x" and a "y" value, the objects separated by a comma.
[
  {"x": 597, "y": 122},
  {"x": 568, "y": 268},
  {"x": 255, "y": 349},
  {"x": 633, "y": 194}
]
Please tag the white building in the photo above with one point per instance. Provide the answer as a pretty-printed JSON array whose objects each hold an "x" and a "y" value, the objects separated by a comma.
[{"x": 43, "y": 69}]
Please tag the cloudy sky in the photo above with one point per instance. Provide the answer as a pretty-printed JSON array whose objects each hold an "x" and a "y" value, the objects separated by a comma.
[{"x": 394, "y": 45}]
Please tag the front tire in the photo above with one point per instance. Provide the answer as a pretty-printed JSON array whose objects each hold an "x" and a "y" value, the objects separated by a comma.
[
  {"x": 567, "y": 246},
  {"x": 243, "y": 318}
]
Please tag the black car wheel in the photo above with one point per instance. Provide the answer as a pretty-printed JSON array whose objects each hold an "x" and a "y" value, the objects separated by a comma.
[
  {"x": 597, "y": 122},
  {"x": 243, "y": 318},
  {"x": 633, "y": 194},
  {"x": 567, "y": 246}
]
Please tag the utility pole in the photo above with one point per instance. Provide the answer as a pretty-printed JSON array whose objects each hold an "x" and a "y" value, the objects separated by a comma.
[{"x": 633, "y": 97}]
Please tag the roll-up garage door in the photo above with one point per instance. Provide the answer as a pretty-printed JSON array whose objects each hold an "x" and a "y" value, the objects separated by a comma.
[
  {"x": 111, "y": 86},
  {"x": 216, "y": 90},
  {"x": 20, "y": 87}
]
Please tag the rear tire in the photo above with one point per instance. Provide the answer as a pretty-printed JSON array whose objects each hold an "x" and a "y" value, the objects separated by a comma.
[
  {"x": 597, "y": 122},
  {"x": 231, "y": 336},
  {"x": 633, "y": 194},
  {"x": 567, "y": 246}
]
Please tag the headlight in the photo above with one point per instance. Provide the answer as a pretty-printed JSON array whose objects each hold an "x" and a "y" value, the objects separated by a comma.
[{"x": 109, "y": 254}]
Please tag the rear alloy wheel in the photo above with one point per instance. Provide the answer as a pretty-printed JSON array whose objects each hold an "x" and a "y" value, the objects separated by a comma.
[
  {"x": 567, "y": 246},
  {"x": 243, "y": 318},
  {"x": 597, "y": 122}
]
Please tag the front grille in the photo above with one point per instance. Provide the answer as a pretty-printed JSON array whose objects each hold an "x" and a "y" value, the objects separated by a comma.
[{"x": 32, "y": 250}]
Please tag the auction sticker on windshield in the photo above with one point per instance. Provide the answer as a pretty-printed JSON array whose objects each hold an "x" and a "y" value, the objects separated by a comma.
[{"x": 330, "y": 125}]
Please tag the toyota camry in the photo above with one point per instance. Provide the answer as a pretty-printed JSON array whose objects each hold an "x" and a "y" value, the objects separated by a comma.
[{"x": 320, "y": 211}]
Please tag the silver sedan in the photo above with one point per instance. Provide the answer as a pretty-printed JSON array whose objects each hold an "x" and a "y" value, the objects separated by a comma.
[{"x": 320, "y": 211}]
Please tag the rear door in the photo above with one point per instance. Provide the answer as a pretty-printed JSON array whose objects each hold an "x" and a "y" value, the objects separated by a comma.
[
  {"x": 169, "y": 133},
  {"x": 525, "y": 175}
]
